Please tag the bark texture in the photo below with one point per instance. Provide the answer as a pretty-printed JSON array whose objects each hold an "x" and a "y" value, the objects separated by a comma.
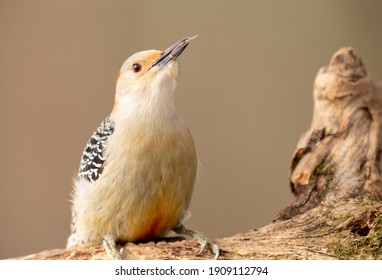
[{"x": 334, "y": 174}]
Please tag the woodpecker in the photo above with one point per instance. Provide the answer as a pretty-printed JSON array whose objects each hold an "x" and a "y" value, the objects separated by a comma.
[{"x": 138, "y": 169}]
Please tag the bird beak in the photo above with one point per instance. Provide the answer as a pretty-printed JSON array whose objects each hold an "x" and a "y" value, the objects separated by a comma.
[{"x": 172, "y": 52}]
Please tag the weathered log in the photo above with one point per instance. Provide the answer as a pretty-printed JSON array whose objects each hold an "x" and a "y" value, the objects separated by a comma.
[{"x": 334, "y": 174}]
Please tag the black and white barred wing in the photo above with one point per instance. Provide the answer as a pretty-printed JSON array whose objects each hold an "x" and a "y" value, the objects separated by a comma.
[{"x": 93, "y": 160}]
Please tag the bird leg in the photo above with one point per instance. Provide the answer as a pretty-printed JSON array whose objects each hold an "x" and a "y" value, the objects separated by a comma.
[
  {"x": 111, "y": 249},
  {"x": 200, "y": 238}
]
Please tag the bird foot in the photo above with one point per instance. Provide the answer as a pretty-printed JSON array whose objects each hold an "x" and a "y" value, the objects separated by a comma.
[
  {"x": 111, "y": 249},
  {"x": 200, "y": 238}
]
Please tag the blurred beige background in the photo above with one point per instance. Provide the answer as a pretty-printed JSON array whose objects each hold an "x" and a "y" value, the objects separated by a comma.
[{"x": 245, "y": 89}]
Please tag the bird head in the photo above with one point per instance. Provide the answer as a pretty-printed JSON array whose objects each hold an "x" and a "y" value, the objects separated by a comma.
[{"x": 148, "y": 75}]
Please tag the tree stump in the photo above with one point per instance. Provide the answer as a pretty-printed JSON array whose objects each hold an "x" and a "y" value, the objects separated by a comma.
[{"x": 334, "y": 175}]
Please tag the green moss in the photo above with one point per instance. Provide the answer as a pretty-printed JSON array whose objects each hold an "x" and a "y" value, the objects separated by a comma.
[
  {"x": 317, "y": 171},
  {"x": 363, "y": 247},
  {"x": 347, "y": 216},
  {"x": 343, "y": 251},
  {"x": 378, "y": 220},
  {"x": 322, "y": 169}
]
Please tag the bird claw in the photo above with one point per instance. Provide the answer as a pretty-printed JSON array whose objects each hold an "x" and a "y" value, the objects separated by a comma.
[
  {"x": 111, "y": 249},
  {"x": 203, "y": 246},
  {"x": 200, "y": 238},
  {"x": 215, "y": 249}
]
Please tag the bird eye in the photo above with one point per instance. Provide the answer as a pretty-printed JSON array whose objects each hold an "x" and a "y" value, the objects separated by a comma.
[{"x": 137, "y": 67}]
